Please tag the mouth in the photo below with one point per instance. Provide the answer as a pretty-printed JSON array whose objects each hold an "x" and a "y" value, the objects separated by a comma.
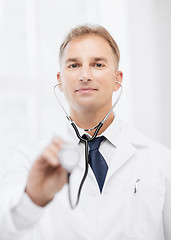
[{"x": 85, "y": 90}]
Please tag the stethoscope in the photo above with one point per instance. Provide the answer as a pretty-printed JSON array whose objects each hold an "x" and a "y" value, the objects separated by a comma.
[{"x": 64, "y": 161}]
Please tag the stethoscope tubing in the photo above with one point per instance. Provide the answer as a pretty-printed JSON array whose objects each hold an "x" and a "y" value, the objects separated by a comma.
[{"x": 86, "y": 141}]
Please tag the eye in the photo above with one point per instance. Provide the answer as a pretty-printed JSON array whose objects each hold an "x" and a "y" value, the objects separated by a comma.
[
  {"x": 74, "y": 65},
  {"x": 99, "y": 65}
]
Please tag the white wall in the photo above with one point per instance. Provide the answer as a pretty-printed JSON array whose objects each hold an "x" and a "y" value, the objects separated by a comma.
[{"x": 30, "y": 34}]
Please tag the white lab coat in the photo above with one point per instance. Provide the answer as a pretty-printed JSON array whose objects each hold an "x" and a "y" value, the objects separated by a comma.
[{"x": 117, "y": 214}]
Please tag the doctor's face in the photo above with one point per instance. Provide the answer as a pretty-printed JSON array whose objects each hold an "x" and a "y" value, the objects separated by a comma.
[{"x": 88, "y": 74}]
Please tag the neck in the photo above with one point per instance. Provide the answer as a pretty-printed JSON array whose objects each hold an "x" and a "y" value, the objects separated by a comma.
[{"x": 89, "y": 120}]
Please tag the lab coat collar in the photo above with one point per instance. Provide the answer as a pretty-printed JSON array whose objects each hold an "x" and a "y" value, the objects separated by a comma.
[
  {"x": 133, "y": 136},
  {"x": 71, "y": 133},
  {"x": 112, "y": 133}
]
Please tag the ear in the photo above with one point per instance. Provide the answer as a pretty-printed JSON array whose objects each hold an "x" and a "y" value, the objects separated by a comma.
[
  {"x": 118, "y": 77},
  {"x": 59, "y": 80}
]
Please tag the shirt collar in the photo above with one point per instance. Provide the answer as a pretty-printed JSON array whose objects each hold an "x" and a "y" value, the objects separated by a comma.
[{"x": 111, "y": 133}]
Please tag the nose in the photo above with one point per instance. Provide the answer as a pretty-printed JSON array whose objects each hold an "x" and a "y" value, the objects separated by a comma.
[
  {"x": 83, "y": 79},
  {"x": 85, "y": 74}
]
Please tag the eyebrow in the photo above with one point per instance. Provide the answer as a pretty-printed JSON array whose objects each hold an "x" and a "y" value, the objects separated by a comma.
[
  {"x": 78, "y": 59},
  {"x": 71, "y": 60},
  {"x": 100, "y": 59}
]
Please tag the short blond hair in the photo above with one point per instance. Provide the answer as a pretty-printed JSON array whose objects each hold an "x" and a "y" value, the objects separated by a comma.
[{"x": 85, "y": 30}]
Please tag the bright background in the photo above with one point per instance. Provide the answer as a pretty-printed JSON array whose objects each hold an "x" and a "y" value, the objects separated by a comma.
[{"x": 30, "y": 34}]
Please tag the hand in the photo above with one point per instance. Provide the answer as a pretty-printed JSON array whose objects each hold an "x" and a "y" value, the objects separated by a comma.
[{"x": 47, "y": 176}]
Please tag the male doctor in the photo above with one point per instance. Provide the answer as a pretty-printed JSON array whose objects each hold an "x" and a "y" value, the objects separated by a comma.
[{"x": 132, "y": 201}]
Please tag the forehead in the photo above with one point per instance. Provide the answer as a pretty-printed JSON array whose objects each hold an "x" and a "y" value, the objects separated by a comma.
[{"x": 87, "y": 46}]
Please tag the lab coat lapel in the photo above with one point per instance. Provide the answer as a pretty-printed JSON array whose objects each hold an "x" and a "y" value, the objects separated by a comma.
[
  {"x": 129, "y": 141},
  {"x": 124, "y": 151}
]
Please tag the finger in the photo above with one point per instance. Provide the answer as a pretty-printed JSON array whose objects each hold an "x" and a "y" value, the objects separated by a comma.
[
  {"x": 49, "y": 155},
  {"x": 48, "y": 158},
  {"x": 53, "y": 148},
  {"x": 58, "y": 142}
]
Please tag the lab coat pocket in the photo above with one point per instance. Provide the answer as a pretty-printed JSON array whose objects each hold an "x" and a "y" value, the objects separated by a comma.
[{"x": 143, "y": 210}]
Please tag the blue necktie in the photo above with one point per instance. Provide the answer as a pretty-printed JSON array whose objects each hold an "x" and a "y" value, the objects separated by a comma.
[{"x": 97, "y": 161}]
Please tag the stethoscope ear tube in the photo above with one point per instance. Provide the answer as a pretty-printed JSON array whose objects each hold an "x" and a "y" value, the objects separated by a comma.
[
  {"x": 85, "y": 141},
  {"x": 105, "y": 118}
]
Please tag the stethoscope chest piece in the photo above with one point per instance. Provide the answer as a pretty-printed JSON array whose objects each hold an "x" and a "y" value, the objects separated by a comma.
[{"x": 69, "y": 156}]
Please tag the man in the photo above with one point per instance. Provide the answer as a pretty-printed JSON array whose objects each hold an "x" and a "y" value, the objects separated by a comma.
[{"x": 134, "y": 200}]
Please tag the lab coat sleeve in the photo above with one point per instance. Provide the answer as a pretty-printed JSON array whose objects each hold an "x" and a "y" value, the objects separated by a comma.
[
  {"x": 167, "y": 203},
  {"x": 18, "y": 214}
]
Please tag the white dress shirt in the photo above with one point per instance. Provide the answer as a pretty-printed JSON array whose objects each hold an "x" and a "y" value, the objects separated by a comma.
[{"x": 135, "y": 202}]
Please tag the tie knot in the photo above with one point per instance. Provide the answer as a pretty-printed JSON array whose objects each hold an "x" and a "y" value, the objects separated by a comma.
[{"x": 95, "y": 144}]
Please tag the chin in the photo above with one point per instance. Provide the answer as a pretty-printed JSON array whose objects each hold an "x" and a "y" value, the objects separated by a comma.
[{"x": 88, "y": 107}]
